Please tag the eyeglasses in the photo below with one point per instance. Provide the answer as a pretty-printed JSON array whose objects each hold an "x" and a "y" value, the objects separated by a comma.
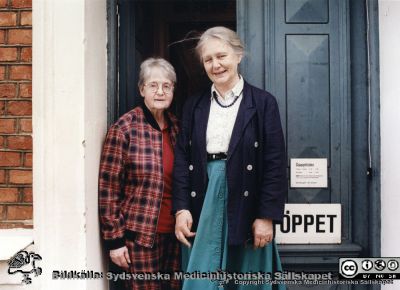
[{"x": 166, "y": 87}]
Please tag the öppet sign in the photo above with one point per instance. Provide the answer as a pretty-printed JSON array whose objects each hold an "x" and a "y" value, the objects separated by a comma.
[{"x": 310, "y": 224}]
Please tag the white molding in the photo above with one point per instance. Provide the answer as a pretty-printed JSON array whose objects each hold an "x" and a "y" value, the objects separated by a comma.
[{"x": 69, "y": 122}]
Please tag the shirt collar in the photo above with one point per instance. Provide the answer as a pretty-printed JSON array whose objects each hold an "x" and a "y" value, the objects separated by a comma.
[
  {"x": 235, "y": 91},
  {"x": 152, "y": 121}
]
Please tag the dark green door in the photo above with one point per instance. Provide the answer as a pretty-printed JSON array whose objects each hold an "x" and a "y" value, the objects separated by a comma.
[{"x": 301, "y": 51}]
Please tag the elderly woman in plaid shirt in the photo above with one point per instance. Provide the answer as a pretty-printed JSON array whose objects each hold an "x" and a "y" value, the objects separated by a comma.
[{"x": 136, "y": 178}]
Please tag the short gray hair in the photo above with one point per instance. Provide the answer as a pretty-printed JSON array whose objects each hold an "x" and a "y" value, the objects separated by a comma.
[
  {"x": 222, "y": 33},
  {"x": 152, "y": 62}
]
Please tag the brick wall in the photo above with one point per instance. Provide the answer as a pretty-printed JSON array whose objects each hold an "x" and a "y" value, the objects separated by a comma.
[{"x": 15, "y": 113}]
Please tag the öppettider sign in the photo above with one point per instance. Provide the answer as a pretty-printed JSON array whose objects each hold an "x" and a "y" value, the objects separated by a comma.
[{"x": 309, "y": 172}]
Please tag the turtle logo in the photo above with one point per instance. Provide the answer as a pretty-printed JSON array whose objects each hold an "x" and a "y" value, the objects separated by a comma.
[{"x": 25, "y": 263}]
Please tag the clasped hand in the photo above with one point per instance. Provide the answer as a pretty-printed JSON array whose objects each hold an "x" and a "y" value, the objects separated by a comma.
[
  {"x": 263, "y": 232},
  {"x": 120, "y": 257},
  {"x": 183, "y": 226}
]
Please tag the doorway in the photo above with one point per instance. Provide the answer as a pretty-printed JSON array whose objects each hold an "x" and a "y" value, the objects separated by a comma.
[{"x": 317, "y": 70}]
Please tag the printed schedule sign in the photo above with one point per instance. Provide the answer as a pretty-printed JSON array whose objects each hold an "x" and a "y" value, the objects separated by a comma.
[
  {"x": 309, "y": 172},
  {"x": 310, "y": 224}
]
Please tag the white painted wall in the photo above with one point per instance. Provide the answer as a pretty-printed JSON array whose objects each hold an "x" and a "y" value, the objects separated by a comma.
[
  {"x": 69, "y": 123},
  {"x": 389, "y": 47}
]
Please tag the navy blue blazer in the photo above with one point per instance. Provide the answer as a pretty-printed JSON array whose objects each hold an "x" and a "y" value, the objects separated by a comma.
[{"x": 256, "y": 163}]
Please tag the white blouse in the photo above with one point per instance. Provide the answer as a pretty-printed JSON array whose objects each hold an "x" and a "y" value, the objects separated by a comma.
[{"x": 221, "y": 120}]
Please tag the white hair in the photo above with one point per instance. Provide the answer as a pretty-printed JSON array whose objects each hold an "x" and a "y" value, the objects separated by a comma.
[
  {"x": 150, "y": 63},
  {"x": 222, "y": 33}
]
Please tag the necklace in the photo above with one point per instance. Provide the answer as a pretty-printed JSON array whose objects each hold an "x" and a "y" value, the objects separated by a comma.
[{"x": 229, "y": 105}]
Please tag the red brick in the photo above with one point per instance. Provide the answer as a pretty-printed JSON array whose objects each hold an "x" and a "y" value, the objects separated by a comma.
[
  {"x": 25, "y": 125},
  {"x": 19, "y": 142},
  {"x": 19, "y": 212},
  {"x": 27, "y": 195},
  {"x": 2, "y": 213},
  {"x": 26, "y": 18},
  {"x": 28, "y": 160},
  {"x": 9, "y": 158},
  {"x": 2, "y": 72},
  {"x": 9, "y": 194},
  {"x": 20, "y": 108},
  {"x": 2, "y": 176},
  {"x": 20, "y": 36},
  {"x": 26, "y": 54},
  {"x": 21, "y": 3},
  {"x": 21, "y": 72},
  {"x": 8, "y": 54},
  {"x": 25, "y": 90},
  {"x": 2, "y": 36},
  {"x": 2, "y": 107},
  {"x": 7, "y": 91},
  {"x": 8, "y": 18},
  {"x": 1, "y": 142},
  {"x": 3, "y": 3},
  {"x": 7, "y": 126},
  {"x": 20, "y": 176}
]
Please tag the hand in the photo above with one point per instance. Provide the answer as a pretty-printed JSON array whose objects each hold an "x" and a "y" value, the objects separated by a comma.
[
  {"x": 183, "y": 226},
  {"x": 263, "y": 232},
  {"x": 120, "y": 257}
]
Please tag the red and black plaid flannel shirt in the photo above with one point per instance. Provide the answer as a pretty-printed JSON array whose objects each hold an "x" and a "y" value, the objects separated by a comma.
[{"x": 131, "y": 178}]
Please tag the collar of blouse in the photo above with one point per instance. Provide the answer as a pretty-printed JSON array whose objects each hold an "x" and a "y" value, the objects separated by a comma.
[{"x": 235, "y": 91}]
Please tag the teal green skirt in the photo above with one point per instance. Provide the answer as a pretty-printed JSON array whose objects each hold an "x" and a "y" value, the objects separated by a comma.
[{"x": 213, "y": 264}]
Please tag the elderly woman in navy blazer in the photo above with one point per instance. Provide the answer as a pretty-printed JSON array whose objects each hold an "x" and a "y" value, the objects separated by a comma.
[{"x": 230, "y": 178}]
